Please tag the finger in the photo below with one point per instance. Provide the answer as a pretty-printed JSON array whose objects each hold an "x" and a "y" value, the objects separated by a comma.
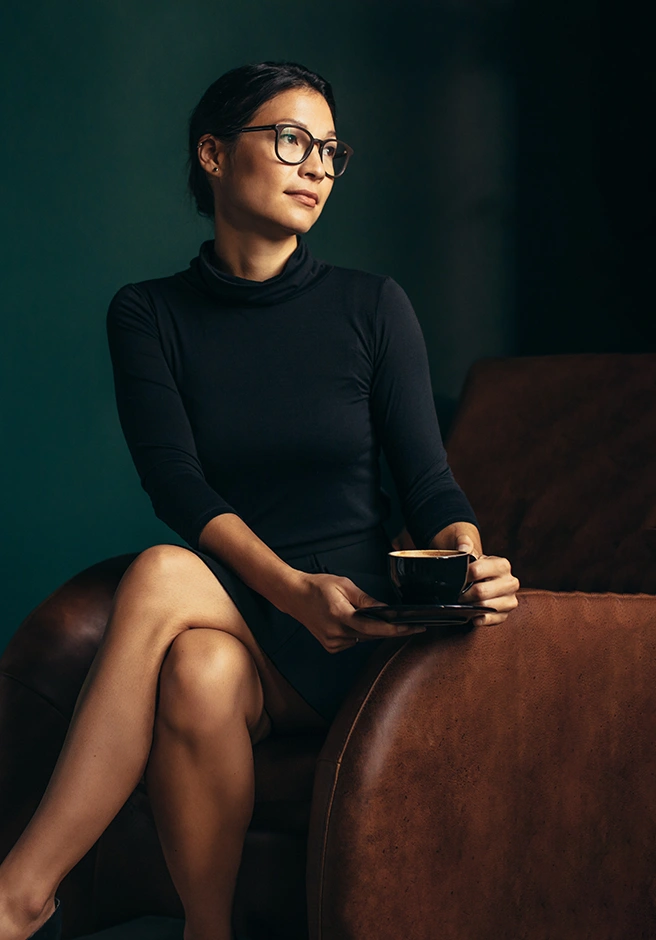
[
  {"x": 366, "y": 600},
  {"x": 500, "y": 612},
  {"x": 503, "y": 605},
  {"x": 381, "y": 629},
  {"x": 398, "y": 634},
  {"x": 488, "y": 620},
  {"x": 358, "y": 641},
  {"x": 356, "y": 624},
  {"x": 466, "y": 544},
  {"x": 415, "y": 628},
  {"x": 488, "y": 566},
  {"x": 492, "y": 589}
]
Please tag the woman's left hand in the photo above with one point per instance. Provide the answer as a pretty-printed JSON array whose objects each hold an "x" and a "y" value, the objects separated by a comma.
[{"x": 495, "y": 584}]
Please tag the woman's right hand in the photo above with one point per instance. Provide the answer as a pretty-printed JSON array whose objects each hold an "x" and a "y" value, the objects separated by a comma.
[{"x": 326, "y": 604}]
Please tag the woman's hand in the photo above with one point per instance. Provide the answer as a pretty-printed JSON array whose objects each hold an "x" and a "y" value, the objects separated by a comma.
[
  {"x": 325, "y": 604},
  {"x": 495, "y": 585}
]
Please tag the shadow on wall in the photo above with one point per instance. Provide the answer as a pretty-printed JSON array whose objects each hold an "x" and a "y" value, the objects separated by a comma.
[{"x": 445, "y": 81}]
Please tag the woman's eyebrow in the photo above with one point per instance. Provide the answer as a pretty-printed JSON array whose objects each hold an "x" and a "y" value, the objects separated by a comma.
[{"x": 331, "y": 133}]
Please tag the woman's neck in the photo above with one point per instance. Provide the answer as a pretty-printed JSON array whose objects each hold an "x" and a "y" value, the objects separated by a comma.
[{"x": 251, "y": 256}]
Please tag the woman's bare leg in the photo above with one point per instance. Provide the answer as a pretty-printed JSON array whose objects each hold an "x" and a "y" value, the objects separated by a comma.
[
  {"x": 200, "y": 773},
  {"x": 166, "y": 590}
]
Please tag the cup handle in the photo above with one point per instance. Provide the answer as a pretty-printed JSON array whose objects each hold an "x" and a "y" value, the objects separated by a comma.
[{"x": 467, "y": 586}]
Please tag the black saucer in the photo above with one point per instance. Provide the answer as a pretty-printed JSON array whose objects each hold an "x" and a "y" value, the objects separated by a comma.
[{"x": 424, "y": 613}]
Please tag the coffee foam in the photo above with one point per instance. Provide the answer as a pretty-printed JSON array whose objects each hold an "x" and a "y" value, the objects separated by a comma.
[{"x": 427, "y": 552}]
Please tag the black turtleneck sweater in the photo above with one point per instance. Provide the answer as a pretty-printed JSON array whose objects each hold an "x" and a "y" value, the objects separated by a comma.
[{"x": 272, "y": 399}]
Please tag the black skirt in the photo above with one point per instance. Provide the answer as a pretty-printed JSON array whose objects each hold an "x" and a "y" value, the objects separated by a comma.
[{"x": 322, "y": 678}]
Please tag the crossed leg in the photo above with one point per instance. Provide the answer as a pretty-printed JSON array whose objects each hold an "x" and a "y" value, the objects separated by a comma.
[{"x": 212, "y": 697}]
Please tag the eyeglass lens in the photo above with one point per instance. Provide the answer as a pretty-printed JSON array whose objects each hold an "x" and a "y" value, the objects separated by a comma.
[{"x": 294, "y": 145}]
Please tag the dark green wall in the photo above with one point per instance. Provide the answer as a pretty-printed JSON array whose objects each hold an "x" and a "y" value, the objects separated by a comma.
[{"x": 95, "y": 101}]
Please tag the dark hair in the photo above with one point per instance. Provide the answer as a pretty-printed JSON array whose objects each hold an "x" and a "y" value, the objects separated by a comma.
[{"x": 231, "y": 101}]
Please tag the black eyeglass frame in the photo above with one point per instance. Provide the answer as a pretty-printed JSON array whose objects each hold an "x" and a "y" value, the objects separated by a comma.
[{"x": 314, "y": 140}]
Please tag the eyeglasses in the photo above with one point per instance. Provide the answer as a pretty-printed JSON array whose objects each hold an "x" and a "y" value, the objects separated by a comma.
[{"x": 294, "y": 145}]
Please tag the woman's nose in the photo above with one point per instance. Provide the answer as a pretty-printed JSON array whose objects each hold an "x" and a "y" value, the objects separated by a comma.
[{"x": 313, "y": 166}]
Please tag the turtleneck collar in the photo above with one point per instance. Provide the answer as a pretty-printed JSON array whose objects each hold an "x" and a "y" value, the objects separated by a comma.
[{"x": 301, "y": 273}]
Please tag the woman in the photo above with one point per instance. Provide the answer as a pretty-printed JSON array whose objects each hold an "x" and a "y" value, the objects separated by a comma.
[{"x": 254, "y": 390}]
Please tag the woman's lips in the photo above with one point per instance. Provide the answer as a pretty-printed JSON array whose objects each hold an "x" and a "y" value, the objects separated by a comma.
[{"x": 303, "y": 199}]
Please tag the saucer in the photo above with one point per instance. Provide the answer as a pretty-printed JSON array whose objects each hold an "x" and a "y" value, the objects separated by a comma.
[{"x": 424, "y": 613}]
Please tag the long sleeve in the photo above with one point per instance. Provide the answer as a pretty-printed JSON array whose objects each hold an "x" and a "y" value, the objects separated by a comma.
[
  {"x": 154, "y": 421},
  {"x": 405, "y": 420}
]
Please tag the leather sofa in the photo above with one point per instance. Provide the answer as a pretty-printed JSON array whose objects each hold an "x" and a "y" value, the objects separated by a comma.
[{"x": 477, "y": 784}]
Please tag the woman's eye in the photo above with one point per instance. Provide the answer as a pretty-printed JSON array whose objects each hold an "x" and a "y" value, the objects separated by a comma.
[
  {"x": 290, "y": 138},
  {"x": 329, "y": 150}
]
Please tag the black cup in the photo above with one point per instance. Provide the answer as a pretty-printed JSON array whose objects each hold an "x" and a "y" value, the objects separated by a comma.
[{"x": 430, "y": 576}]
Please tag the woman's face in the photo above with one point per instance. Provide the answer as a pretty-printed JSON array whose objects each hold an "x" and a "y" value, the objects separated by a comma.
[{"x": 253, "y": 189}]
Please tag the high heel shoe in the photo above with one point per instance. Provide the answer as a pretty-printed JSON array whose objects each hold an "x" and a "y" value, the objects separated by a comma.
[{"x": 50, "y": 929}]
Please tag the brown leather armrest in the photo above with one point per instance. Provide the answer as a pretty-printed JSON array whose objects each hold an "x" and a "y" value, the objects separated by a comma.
[
  {"x": 496, "y": 782},
  {"x": 53, "y": 648}
]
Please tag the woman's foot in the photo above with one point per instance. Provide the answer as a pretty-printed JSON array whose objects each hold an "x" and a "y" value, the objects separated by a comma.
[{"x": 17, "y": 923}]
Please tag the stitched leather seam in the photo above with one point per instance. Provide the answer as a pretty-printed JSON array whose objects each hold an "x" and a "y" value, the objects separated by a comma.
[
  {"x": 338, "y": 765},
  {"x": 322, "y": 867},
  {"x": 44, "y": 698},
  {"x": 367, "y": 697}
]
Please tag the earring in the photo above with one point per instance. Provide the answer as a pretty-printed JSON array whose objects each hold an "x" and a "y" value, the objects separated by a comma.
[{"x": 216, "y": 169}]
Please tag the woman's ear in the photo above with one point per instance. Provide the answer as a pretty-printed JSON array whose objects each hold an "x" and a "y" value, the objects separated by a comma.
[{"x": 212, "y": 155}]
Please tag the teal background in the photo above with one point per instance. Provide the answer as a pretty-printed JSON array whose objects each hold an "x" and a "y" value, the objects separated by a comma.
[{"x": 493, "y": 149}]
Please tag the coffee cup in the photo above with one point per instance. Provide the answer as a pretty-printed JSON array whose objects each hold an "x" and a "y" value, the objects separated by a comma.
[{"x": 431, "y": 575}]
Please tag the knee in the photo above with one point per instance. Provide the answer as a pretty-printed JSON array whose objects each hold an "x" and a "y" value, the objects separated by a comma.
[
  {"x": 150, "y": 587},
  {"x": 161, "y": 564},
  {"x": 208, "y": 678}
]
